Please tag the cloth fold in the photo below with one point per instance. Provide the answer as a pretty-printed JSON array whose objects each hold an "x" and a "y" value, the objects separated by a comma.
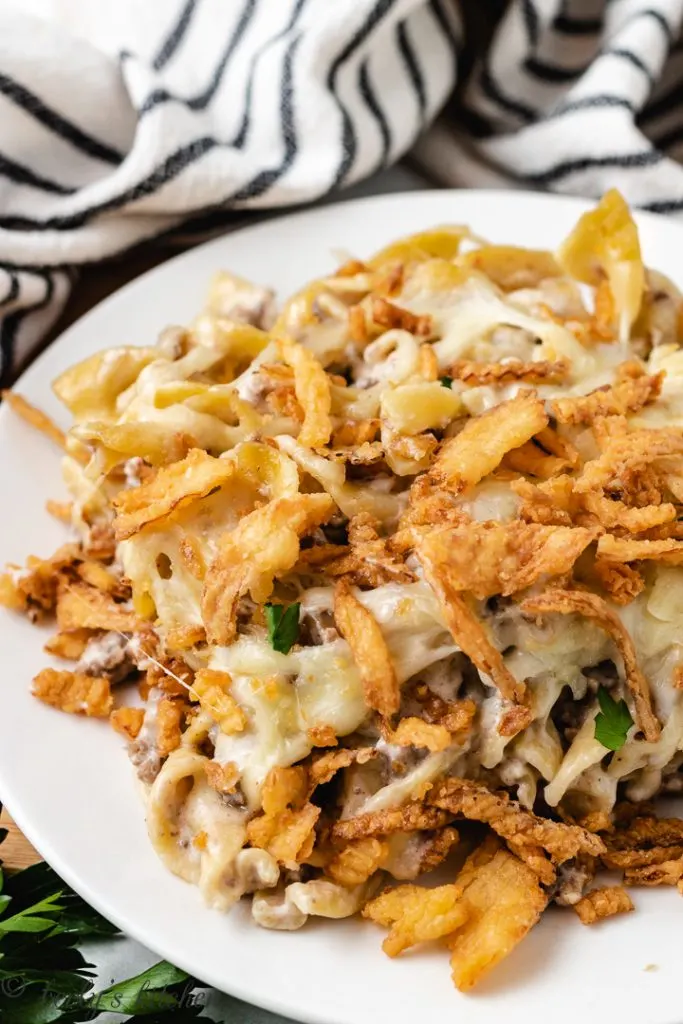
[
  {"x": 121, "y": 123},
  {"x": 574, "y": 96}
]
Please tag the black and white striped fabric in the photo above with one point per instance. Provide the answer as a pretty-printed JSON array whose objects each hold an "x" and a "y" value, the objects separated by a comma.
[
  {"x": 575, "y": 96},
  {"x": 121, "y": 121}
]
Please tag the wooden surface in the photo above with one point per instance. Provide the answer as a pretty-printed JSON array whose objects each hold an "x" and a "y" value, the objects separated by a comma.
[{"x": 16, "y": 851}]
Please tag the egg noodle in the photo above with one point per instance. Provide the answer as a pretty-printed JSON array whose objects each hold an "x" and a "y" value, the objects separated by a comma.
[{"x": 399, "y": 558}]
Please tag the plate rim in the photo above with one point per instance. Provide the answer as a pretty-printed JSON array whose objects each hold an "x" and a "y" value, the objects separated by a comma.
[{"x": 136, "y": 928}]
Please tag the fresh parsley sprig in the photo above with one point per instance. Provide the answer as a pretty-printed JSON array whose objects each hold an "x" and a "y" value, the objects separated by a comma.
[
  {"x": 45, "y": 979},
  {"x": 283, "y": 626},
  {"x": 613, "y": 721}
]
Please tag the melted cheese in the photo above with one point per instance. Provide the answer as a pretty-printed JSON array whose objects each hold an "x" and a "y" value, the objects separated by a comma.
[{"x": 285, "y": 695}]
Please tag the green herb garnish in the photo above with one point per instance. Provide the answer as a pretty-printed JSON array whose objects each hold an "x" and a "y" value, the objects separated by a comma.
[
  {"x": 44, "y": 977},
  {"x": 283, "y": 626},
  {"x": 447, "y": 381},
  {"x": 612, "y": 722}
]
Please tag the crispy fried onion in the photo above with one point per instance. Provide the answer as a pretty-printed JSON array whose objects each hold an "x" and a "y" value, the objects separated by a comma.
[
  {"x": 593, "y": 607},
  {"x": 361, "y": 631},
  {"x": 644, "y": 842},
  {"x": 74, "y": 692},
  {"x": 504, "y": 900},
  {"x": 286, "y": 828},
  {"x": 415, "y": 732},
  {"x": 127, "y": 721},
  {"x": 563, "y": 500},
  {"x": 622, "y": 582},
  {"x": 667, "y": 872},
  {"x": 474, "y": 374},
  {"x": 412, "y": 817},
  {"x": 80, "y": 606},
  {"x": 35, "y": 417},
  {"x": 312, "y": 389},
  {"x": 468, "y": 631},
  {"x": 531, "y": 459},
  {"x": 34, "y": 590},
  {"x": 263, "y": 544},
  {"x": 628, "y": 549},
  {"x": 414, "y": 914},
  {"x": 615, "y": 474},
  {"x": 367, "y": 561},
  {"x": 325, "y": 766},
  {"x": 479, "y": 448},
  {"x": 488, "y": 558},
  {"x": 386, "y": 314},
  {"x": 69, "y": 644},
  {"x": 357, "y": 862},
  {"x": 170, "y": 720},
  {"x": 212, "y": 689},
  {"x": 171, "y": 487},
  {"x": 634, "y": 389},
  {"x": 526, "y": 833},
  {"x": 601, "y": 903}
]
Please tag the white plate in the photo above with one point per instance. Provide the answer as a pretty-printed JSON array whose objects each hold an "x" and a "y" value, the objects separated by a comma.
[{"x": 68, "y": 783}]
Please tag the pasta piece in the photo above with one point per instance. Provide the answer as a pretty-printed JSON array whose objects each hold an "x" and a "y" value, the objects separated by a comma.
[
  {"x": 605, "y": 242},
  {"x": 511, "y": 267}
]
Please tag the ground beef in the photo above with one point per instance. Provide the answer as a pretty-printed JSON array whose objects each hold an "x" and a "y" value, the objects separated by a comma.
[
  {"x": 145, "y": 756},
  {"x": 108, "y": 655},
  {"x": 317, "y": 627},
  {"x": 573, "y": 877}
]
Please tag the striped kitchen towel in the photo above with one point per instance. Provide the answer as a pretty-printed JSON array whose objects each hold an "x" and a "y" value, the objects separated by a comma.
[
  {"x": 574, "y": 96},
  {"x": 121, "y": 122}
]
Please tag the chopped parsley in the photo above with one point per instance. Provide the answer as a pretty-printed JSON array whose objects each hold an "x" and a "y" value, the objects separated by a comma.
[
  {"x": 283, "y": 626},
  {"x": 447, "y": 382},
  {"x": 612, "y": 722}
]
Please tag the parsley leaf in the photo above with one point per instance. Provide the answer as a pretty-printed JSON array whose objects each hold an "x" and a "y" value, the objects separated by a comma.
[
  {"x": 283, "y": 626},
  {"x": 45, "y": 979},
  {"x": 147, "y": 992},
  {"x": 38, "y": 918},
  {"x": 612, "y": 722},
  {"x": 447, "y": 382}
]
